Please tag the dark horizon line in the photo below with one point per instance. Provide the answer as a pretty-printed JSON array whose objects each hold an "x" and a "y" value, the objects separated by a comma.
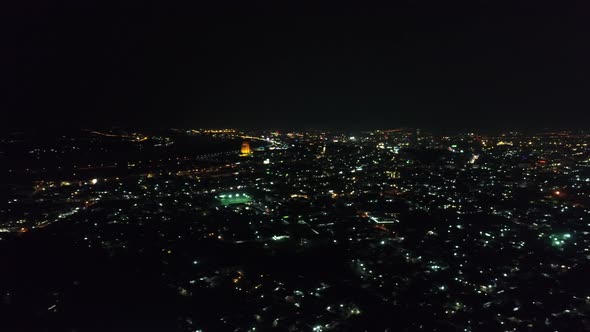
[{"x": 442, "y": 129}]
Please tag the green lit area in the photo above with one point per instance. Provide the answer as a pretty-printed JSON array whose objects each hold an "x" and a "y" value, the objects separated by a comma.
[
  {"x": 559, "y": 240},
  {"x": 236, "y": 198}
]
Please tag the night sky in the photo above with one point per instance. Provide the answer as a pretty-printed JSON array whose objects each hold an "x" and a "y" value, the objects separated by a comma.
[{"x": 440, "y": 64}]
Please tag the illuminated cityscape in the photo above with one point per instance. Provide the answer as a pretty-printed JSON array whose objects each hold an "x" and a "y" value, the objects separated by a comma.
[
  {"x": 318, "y": 230},
  {"x": 299, "y": 166}
]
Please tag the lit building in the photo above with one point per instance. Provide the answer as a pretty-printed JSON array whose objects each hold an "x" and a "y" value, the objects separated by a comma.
[{"x": 245, "y": 151}]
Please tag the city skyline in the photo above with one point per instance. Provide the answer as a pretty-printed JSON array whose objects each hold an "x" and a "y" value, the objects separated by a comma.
[
  {"x": 311, "y": 230},
  {"x": 314, "y": 166}
]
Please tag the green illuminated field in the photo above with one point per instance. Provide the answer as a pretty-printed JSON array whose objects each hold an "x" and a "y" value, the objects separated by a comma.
[{"x": 231, "y": 199}]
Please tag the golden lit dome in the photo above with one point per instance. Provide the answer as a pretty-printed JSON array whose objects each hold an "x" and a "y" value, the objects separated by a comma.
[{"x": 245, "y": 151}]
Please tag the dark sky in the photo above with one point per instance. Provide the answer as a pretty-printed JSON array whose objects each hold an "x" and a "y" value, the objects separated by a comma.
[{"x": 439, "y": 64}]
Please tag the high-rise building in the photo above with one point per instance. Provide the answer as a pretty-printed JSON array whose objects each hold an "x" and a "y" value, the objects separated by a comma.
[{"x": 245, "y": 151}]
